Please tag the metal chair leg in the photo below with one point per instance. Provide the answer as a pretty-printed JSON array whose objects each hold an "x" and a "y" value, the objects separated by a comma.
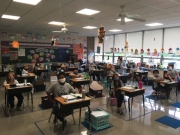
[
  {"x": 73, "y": 118},
  {"x": 50, "y": 116}
]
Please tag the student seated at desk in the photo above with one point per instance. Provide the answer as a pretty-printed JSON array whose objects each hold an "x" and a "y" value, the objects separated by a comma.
[
  {"x": 5, "y": 67},
  {"x": 11, "y": 80},
  {"x": 132, "y": 71},
  {"x": 116, "y": 83},
  {"x": 58, "y": 89},
  {"x": 76, "y": 75},
  {"x": 91, "y": 68},
  {"x": 25, "y": 70},
  {"x": 37, "y": 66},
  {"x": 172, "y": 74}
]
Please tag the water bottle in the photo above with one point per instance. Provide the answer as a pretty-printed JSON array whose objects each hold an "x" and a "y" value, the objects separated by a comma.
[
  {"x": 83, "y": 94},
  {"x": 140, "y": 84},
  {"x": 20, "y": 72},
  {"x": 25, "y": 82},
  {"x": 87, "y": 76}
]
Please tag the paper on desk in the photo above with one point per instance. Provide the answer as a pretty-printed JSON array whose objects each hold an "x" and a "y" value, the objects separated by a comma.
[
  {"x": 99, "y": 113},
  {"x": 21, "y": 84},
  {"x": 24, "y": 74},
  {"x": 128, "y": 87},
  {"x": 69, "y": 97}
]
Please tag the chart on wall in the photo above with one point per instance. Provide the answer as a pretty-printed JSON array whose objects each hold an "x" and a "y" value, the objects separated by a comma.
[
  {"x": 13, "y": 54},
  {"x": 41, "y": 55},
  {"x": 78, "y": 49}
]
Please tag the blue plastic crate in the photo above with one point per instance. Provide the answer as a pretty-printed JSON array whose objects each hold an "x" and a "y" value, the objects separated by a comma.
[{"x": 98, "y": 121}]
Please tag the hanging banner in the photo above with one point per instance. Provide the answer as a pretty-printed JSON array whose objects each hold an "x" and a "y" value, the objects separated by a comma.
[{"x": 78, "y": 49}]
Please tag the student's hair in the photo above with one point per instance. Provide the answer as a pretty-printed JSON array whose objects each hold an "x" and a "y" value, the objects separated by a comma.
[
  {"x": 114, "y": 82},
  {"x": 156, "y": 71},
  {"x": 60, "y": 73},
  {"x": 7, "y": 77}
]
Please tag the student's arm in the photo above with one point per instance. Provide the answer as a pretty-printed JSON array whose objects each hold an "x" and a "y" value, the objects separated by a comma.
[
  {"x": 5, "y": 84},
  {"x": 48, "y": 92},
  {"x": 169, "y": 76},
  {"x": 71, "y": 89}
]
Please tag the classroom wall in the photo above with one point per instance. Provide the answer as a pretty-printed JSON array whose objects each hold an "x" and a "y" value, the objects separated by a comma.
[
  {"x": 61, "y": 38},
  {"x": 144, "y": 39}
]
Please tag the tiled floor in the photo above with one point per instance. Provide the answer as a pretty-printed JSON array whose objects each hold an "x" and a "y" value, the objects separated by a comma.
[{"x": 36, "y": 122}]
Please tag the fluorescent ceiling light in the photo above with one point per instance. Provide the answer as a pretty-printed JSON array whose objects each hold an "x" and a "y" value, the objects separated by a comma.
[
  {"x": 115, "y": 30},
  {"x": 89, "y": 27},
  {"x": 31, "y": 2},
  {"x": 56, "y": 31},
  {"x": 154, "y": 24},
  {"x": 126, "y": 20},
  {"x": 87, "y": 11},
  {"x": 56, "y": 23},
  {"x": 12, "y": 17}
]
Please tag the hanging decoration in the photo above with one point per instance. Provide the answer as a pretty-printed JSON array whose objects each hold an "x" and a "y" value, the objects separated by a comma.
[
  {"x": 136, "y": 52},
  {"x": 132, "y": 51},
  {"x": 118, "y": 50},
  {"x": 148, "y": 51},
  {"x": 114, "y": 49},
  {"x": 54, "y": 41},
  {"x": 111, "y": 50},
  {"x": 142, "y": 51},
  {"x": 101, "y": 35},
  {"x": 15, "y": 44},
  {"x": 162, "y": 50},
  {"x": 170, "y": 51},
  {"x": 177, "y": 51},
  {"x": 122, "y": 50},
  {"x": 155, "y": 52}
]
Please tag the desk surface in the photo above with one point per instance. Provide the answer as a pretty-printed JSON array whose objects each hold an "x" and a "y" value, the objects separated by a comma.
[
  {"x": 61, "y": 100},
  {"x": 29, "y": 75},
  {"x": 167, "y": 82},
  {"x": 79, "y": 80},
  {"x": 18, "y": 87},
  {"x": 132, "y": 91}
]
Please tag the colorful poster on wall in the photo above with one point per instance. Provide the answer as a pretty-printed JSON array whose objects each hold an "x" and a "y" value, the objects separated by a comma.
[
  {"x": 5, "y": 52},
  {"x": 91, "y": 56},
  {"x": 13, "y": 54},
  {"x": 40, "y": 55},
  {"x": 68, "y": 38},
  {"x": 21, "y": 52},
  {"x": 78, "y": 49}
]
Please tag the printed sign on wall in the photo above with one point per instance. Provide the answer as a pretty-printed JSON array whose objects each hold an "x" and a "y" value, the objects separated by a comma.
[{"x": 78, "y": 49}]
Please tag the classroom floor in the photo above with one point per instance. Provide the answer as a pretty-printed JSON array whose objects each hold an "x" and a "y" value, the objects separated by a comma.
[{"x": 36, "y": 122}]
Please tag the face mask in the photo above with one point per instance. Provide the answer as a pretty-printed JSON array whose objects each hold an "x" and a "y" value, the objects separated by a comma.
[
  {"x": 62, "y": 80},
  {"x": 156, "y": 75},
  {"x": 37, "y": 64},
  {"x": 170, "y": 68},
  {"x": 75, "y": 72},
  {"x": 116, "y": 79},
  {"x": 11, "y": 78}
]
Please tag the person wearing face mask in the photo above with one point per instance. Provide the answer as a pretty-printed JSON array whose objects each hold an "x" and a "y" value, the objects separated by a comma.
[
  {"x": 58, "y": 89},
  {"x": 9, "y": 81},
  {"x": 25, "y": 70},
  {"x": 91, "y": 68},
  {"x": 172, "y": 74},
  {"x": 132, "y": 70},
  {"x": 76, "y": 75},
  {"x": 116, "y": 83}
]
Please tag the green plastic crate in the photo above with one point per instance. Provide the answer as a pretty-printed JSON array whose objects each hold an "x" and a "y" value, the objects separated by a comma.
[{"x": 98, "y": 122}]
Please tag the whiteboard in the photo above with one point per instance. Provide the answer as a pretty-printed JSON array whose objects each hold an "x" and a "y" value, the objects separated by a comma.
[
  {"x": 119, "y": 41},
  {"x": 134, "y": 40},
  {"x": 108, "y": 43},
  {"x": 152, "y": 40},
  {"x": 171, "y": 39}
]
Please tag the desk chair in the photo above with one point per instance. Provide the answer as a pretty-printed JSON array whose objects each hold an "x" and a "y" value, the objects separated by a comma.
[
  {"x": 110, "y": 95},
  {"x": 56, "y": 118}
]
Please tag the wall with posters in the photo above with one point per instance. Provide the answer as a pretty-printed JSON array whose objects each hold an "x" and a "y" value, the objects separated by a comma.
[{"x": 35, "y": 37}]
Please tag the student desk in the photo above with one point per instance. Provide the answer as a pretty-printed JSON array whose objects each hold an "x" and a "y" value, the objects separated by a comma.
[
  {"x": 30, "y": 77},
  {"x": 55, "y": 67},
  {"x": 68, "y": 72},
  {"x": 140, "y": 73},
  {"x": 17, "y": 89},
  {"x": 74, "y": 104},
  {"x": 169, "y": 85},
  {"x": 72, "y": 68},
  {"x": 40, "y": 71},
  {"x": 80, "y": 81},
  {"x": 132, "y": 93},
  {"x": 97, "y": 71}
]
